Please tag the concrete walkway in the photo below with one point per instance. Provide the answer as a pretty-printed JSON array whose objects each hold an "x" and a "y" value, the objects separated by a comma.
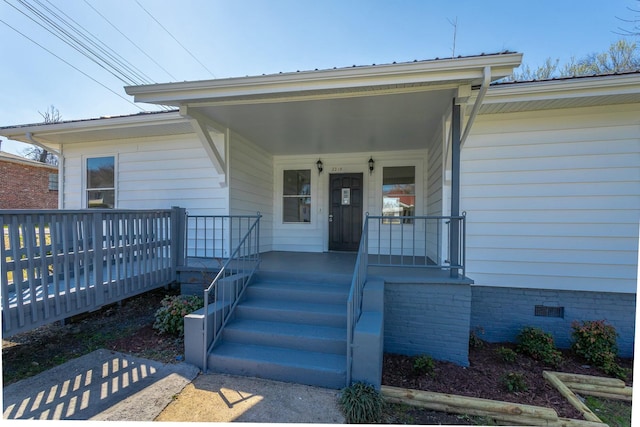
[{"x": 107, "y": 385}]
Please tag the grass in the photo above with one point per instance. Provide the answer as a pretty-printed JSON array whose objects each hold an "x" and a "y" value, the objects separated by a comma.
[{"x": 612, "y": 412}]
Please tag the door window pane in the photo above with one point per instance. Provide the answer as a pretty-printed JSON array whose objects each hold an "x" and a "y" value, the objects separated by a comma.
[
  {"x": 399, "y": 191},
  {"x": 296, "y": 199}
]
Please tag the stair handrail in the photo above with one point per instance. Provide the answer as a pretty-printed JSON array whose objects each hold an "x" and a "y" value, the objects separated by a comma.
[
  {"x": 241, "y": 255},
  {"x": 354, "y": 302}
]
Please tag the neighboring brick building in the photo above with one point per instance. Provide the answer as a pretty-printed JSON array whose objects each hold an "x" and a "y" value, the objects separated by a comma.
[{"x": 27, "y": 184}]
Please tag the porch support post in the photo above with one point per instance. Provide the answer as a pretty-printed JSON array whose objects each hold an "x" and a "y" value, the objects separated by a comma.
[{"x": 454, "y": 236}]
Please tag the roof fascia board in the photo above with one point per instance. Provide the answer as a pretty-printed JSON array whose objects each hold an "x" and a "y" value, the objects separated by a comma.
[
  {"x": 557, "y": 89},
  {"x": 379, "y": 75},
  {"x": 18, "y": 133}
]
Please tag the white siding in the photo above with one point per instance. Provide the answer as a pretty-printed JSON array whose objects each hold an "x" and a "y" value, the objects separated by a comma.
[
  {"x": 553, "y": 199},
  {"x": 151, "y": 173},
  {"x": 313, "y": 236},
  {"x": 251, "y": 185}
]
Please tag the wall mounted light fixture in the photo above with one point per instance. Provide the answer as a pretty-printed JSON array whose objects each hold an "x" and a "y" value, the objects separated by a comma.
[
  {"x": 371, "y": 164},
  {"x": 319, "y": 166}
]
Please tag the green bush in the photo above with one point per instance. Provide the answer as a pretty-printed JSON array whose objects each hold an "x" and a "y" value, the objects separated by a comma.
[
  {"x": 170, "y": 316},
  {"x": 361, "y": 404},
  {"x": 595, "y": 341},
  {"x": 506, "y": 354},
  {"x": 513, "y": 382},
  {"x": 539, "y": 345},
  {"x": 424, "y": 365},
  {"x": 474, "y": 338}
]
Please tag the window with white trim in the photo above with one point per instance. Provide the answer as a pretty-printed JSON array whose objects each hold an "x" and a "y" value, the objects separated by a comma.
[
  {"x": 100, "y": 181},
  {"x": 296, "y": 196},
  {"x": 399, "y": 192}
]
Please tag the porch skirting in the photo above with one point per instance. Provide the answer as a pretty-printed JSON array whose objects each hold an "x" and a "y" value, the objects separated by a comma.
[
  {"x": 498, "y": 314},
  {"x": 428, "y": 318}
]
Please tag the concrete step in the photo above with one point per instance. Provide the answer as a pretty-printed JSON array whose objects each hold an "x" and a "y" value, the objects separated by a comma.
[
  {"x": 298, "y": 291},
  {"x": 295, "y": 312},
  {"x": 323, "y": 339},
  {"x": 282, "y": 364}
]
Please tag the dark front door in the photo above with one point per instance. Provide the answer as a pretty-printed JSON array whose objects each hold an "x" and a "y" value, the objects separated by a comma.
[{"x": 345, "y": 211}]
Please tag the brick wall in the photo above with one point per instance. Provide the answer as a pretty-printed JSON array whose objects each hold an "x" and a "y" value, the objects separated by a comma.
[
  {"x": 502, "y": 312},
  {"x": 24, "y": 186},
  {"x": 430, "y": 319}
]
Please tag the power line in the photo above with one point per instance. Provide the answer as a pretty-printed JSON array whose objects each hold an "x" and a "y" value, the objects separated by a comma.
[
  {"x": 131, "y": 41},
  {"x": 72, "y": 66},
  {"x": 177, "y": 41},
  {"x": 103, "y": 47}
]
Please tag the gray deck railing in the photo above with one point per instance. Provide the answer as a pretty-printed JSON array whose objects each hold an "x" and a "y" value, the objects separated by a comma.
[
  {"x": 55, "y": 264},
  {"x": 227, "y": 288}
]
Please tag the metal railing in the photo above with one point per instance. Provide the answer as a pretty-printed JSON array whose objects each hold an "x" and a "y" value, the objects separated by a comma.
[
  {"x": 215, "y": 236},
  {"x": 436, "y": 242},
  {"x": 229, "y": 285},
  {"x": 410, "y": 241},
  {"x": 55, "y": 264},
  {"x": 354, "y": 302}
]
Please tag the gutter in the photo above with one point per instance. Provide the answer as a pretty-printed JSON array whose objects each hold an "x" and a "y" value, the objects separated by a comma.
[
  {"x": 29, "y": 137},
  {"x": 486, "y": 81}
]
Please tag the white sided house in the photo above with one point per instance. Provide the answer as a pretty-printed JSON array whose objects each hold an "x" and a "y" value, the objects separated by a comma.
[{"x": 544, "y": 175}]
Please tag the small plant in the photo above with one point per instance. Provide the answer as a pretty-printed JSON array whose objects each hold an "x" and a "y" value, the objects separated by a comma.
[
  {"x": 474, "y": 338},
  {"x": 361, "y": 404},
  {"x": 169, "y": 317},
  {"x": 595, "y": 341},
  {"x": 506, "y": 354},
  {"x": 539, "y": 345},
  {"x": 424, "y": 365},
  {"x": 513, "y": 382}
]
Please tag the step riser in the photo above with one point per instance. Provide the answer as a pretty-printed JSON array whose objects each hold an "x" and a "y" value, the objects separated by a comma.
[
  {"x": 305, "y": 343},
  {"x": 292, "y": 294},
  {"x": 291, "y": 316},
  {"x": 278, "y": 372}
]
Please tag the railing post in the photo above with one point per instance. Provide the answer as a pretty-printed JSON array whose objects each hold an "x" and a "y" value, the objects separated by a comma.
[
  {"x": 178, "y": 237},
  {"x": 98, "y": 256}
]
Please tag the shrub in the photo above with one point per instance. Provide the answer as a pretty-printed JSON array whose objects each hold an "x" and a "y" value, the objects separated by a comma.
[
  {"x": 361, "y": 404},
  {"x": 595, "y": 341},
  {"x": 474, "y": 339},
  {"x": 513, "y": 382},
  {"x": 506, "y": 354},
  {"x": 169, "y": 317},
  {"x": 539, "y": 345},
  {"x": 424, "y": 365}
]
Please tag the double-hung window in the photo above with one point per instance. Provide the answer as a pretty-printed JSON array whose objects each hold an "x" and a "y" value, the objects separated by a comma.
[
  {"x": 101, "y": 184},
  {"x": 399, "y": 193},
  {"x": 296, "y": 196}
]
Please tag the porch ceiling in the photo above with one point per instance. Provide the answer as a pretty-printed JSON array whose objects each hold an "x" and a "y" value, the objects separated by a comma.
[{"x": 364, "y": 122}]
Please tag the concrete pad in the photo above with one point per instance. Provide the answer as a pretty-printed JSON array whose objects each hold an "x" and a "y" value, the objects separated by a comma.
[
  {"x": 102, "y": 385},
  {"x": 228, "y": 398}
]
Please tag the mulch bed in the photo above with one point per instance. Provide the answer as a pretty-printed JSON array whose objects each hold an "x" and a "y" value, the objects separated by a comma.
[{"x": 482, "y": 378}]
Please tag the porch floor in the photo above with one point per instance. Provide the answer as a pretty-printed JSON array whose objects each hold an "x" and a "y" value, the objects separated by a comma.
[{"x": 338, "y": 263}]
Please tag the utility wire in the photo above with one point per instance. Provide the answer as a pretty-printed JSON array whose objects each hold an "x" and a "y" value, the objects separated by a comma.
[
  {"x": 72, "y": 66},
  {"x": 177, "y": 41},
  {"x": 64, "y": 36},
  {"x": 99, "y": 44},
  {"x": 131, "y": 41}
]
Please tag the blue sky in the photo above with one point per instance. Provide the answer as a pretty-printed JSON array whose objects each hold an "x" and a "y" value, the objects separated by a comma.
[{"x": 235, "y": 38}]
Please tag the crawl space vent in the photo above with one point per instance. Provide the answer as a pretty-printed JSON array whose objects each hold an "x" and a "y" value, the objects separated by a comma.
[{"x": 545, "y": 311}]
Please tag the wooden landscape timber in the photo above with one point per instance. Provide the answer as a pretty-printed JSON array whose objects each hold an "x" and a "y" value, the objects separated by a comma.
[
  {"x": 610, "y": 388},
  {"x": 512, "y": 413},
  {"x": 570, "y": 396}
]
